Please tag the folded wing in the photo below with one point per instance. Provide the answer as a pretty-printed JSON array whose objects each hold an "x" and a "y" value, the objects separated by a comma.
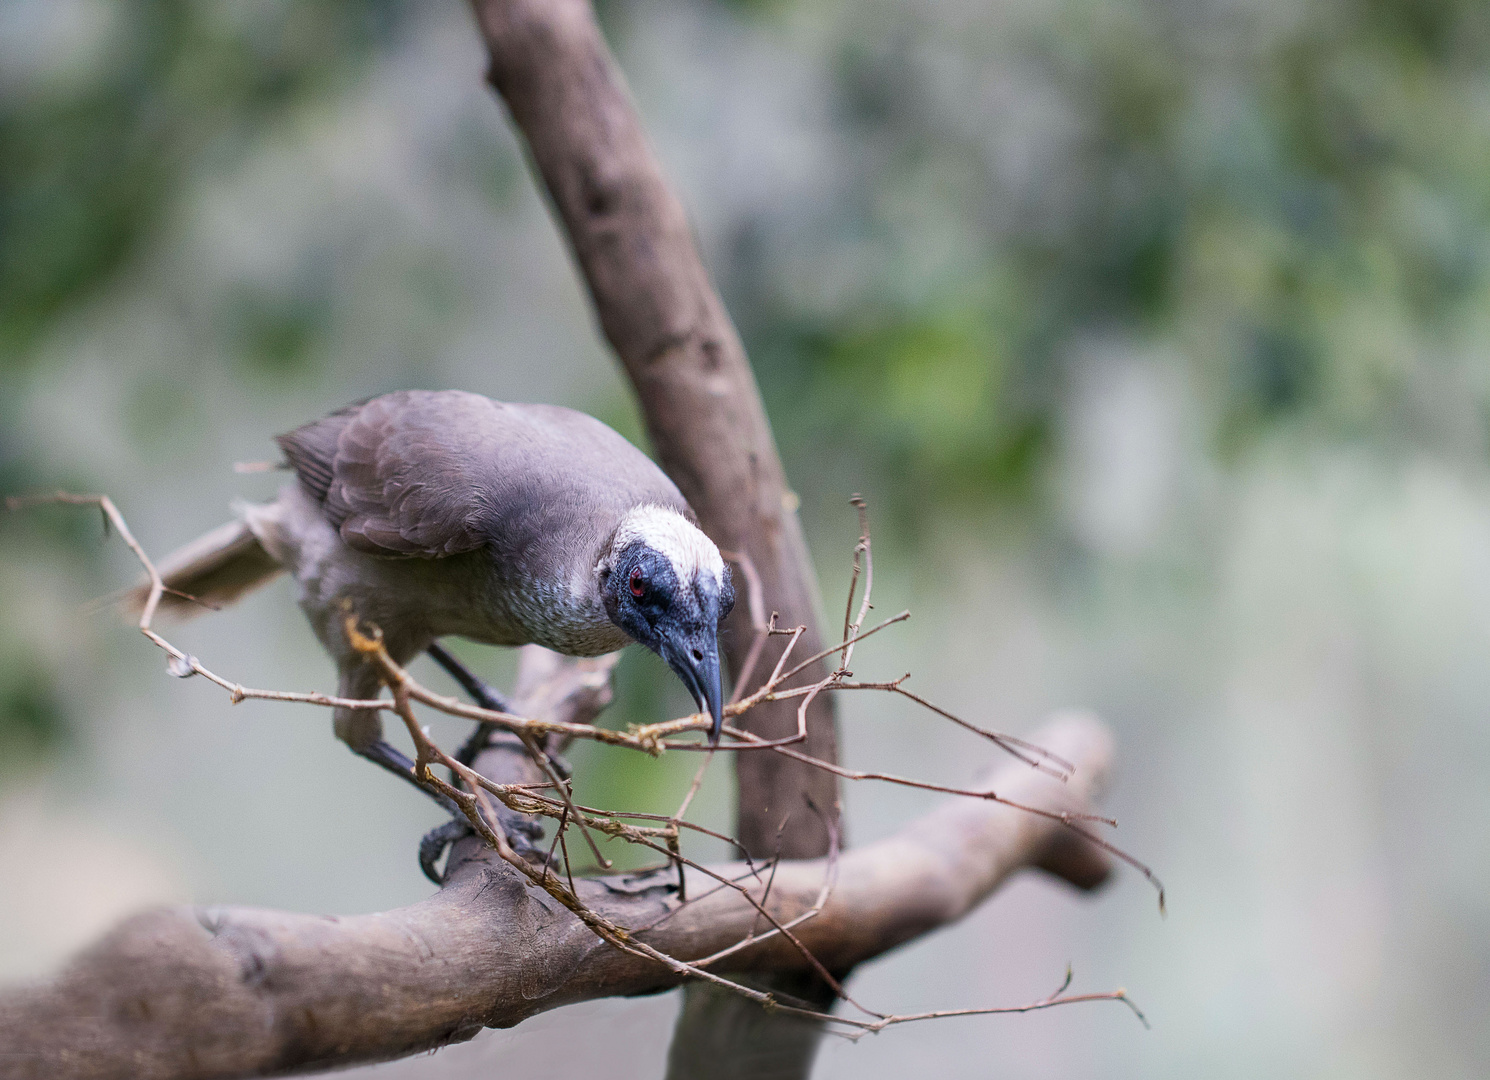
[{"x": 426, "y": 474}]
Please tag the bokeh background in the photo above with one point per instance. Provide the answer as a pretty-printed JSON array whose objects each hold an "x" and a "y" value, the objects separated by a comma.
[{"x": 1156, "y": 333}]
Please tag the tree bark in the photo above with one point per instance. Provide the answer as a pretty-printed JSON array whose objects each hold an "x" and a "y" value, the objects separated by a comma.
[
  {"x": 667, "y": 324},
  {"x": 195, "y": 993},
  {"x": 662, "y": 316}
]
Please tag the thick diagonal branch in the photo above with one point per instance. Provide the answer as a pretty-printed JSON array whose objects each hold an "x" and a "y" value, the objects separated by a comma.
[
  {"x": 233, "y": 992},
  {"x": 662, "y": 316}
]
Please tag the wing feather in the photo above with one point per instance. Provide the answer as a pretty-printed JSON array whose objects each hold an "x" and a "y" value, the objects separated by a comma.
[{"x": 422, "y": 474}]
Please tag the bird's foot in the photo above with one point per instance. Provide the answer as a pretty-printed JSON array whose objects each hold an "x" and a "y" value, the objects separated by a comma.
[
  {"x": 562, "y": 767},
  {"x": 523, "y": 834},
  {"x": 436, "y": 841},
  {"x": 476, "y": 742}
]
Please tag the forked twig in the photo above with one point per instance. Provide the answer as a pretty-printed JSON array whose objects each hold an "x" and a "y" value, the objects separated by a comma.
[
  {"x": 862, "y": 548},
  {"x": 471, "y": 792}
]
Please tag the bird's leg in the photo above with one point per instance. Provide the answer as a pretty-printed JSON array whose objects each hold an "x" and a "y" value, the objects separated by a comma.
[
  {"x": 457, "y": 828},
  {"x": 362, "y": 731},
  {"x": 481, "y": 693},
  {"x": 394, "y": 760},
  {"x": 521, "y": 830},
  {"x": 477, "y": 741},
  {"x": 486, "y": 696}
]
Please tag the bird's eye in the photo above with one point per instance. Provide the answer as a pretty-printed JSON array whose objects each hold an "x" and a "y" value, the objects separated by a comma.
[{"x": 638, "y": 583}]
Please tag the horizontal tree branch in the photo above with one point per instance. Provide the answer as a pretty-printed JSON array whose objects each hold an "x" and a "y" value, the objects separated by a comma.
[{"x": 192, "y": 992}]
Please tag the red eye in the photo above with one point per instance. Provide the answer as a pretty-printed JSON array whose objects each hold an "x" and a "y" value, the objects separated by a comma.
[{"x": 638, "y": 584}]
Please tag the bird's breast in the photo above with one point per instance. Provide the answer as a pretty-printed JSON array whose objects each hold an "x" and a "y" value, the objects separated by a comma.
[{"x": 553, "y": 614}]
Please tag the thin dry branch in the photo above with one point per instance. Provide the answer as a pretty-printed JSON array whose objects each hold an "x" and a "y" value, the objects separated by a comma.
[
  {"x": 866, "y": 550},
  {"x": 648, "y": 738},
  {"x": 196, "y": 993},
  {"x": 656, "y": 306},
  {"x": 661, "y": 314},
  {"x": 471, "y": 792}
]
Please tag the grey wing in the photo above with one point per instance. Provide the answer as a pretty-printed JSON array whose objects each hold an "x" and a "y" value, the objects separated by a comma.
[{"x": 429, "y": 474}]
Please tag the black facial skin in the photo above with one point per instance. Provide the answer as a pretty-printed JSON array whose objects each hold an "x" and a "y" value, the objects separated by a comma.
[{"x": 678, "y": 623}]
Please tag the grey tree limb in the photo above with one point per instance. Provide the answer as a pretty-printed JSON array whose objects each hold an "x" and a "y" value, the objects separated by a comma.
[
  {"x": 668, "y": 326},
  {"x": 189, "y": 993}
]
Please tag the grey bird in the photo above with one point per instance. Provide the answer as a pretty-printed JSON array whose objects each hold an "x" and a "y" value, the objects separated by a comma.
[{"x": 430, "y": 514}]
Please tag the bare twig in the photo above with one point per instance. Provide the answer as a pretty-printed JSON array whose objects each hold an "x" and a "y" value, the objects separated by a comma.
[
  {"x": 870, "y": 900},
  {"x": 862, "y": 548},
  {"x": 755, "y": 598},
  {"x": 650, "y": 738},
  {"x": 471, "y": 798}
]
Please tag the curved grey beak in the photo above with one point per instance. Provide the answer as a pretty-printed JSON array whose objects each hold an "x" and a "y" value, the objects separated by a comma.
[{"x": 695, "y": 659}]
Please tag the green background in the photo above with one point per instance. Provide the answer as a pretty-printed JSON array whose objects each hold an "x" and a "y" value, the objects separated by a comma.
[{"x": 1155, "y": 333}]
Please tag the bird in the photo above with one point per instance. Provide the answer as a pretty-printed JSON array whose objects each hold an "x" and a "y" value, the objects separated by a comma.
[{"x": 432, "y": 514}]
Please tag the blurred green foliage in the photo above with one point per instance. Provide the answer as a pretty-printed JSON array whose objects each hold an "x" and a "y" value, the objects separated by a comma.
[
  {"x": 1291, "y": 198},
  {"x": 1154, "y": 331},
  {"x": 91, "y": 165},
  {"x": 1258, "y": 189},
  {"x": 32, "y": 720}
]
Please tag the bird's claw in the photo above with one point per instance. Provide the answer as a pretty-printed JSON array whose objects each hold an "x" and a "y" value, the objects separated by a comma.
[
  {"x": 436, "y": 841},
  {"x": 523, "y": 834}
]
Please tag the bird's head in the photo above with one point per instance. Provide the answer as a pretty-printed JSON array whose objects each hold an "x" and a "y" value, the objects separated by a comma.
[{"x": 664, "y": 583}]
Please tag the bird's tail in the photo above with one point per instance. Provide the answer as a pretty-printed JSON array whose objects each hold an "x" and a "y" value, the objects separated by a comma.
[{"x": 210, "y": 572}]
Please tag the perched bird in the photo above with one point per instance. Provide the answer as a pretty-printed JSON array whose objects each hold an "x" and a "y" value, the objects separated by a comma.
[{"x": 446, "y": 513}]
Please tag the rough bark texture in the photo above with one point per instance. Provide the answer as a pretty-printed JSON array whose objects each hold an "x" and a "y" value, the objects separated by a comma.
[
  {"x": 234, "y": 992},
  {"x": 669, "y": 328},
  {"x": 703, "y": 412}
]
